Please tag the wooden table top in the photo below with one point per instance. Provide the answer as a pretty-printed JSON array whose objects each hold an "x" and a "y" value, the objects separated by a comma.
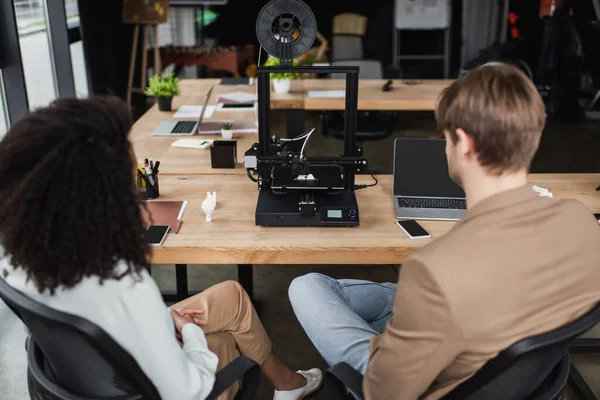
[
  {"x": 233, "y": 238},
  {"x": 406, "y": 95},
  {"x": 175, "y": 161}
]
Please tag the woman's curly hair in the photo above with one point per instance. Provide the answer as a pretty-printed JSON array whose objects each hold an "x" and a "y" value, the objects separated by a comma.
[{"x": 67, "y": 188}]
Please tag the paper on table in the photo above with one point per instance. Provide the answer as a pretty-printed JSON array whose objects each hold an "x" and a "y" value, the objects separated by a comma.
[
  {"x": 326, "y": 94},
  {"x": 238, "y": 97},
  {"x": 193, "y": 143},
  {"x": 194, "y": 112}
]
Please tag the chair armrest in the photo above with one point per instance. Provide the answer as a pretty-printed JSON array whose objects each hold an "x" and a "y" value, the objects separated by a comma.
[
  {"x": 350, "y": 377},
  {"x": 239, "y": 368}
]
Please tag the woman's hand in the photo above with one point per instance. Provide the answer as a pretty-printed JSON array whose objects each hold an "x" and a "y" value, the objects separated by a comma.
[
  {"x": 196, "y": 315},
  {"x": 180, "y": 320}
]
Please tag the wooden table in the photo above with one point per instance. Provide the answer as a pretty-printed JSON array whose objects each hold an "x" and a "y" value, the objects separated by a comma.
[
  {"x": 233, "y": 238},
  {"x": 406, "y": 95},
  {"x": 190, "y": 161},
  {"x": 176, "y": 161}
]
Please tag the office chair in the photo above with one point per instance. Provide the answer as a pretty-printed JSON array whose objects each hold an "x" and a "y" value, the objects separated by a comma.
[
  {"x": 535, "y": 368},
  {"x": 371, "y": 125},
  {"x": 69, "y": 358},
  {"x": 347, "y": 39}
]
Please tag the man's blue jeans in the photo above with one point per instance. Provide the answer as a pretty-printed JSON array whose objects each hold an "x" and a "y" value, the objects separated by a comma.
[{"x": 342, "y": 316}]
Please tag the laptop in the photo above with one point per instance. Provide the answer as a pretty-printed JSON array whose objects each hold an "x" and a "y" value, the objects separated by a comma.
[
  {"x": 423, "y": 188},
  {"x": 174, "y": 127}
]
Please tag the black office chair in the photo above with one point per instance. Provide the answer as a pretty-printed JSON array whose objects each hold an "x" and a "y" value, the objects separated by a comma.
[
  {"x": 70, "y": 358},
  {"x": 371, "y": 125},
  {"x": 535, "y": 368}
]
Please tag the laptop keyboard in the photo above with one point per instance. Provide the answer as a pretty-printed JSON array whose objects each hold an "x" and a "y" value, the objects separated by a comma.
[
  {"x": 184, "y": 127},
  {"x": 420, "y": 202}
]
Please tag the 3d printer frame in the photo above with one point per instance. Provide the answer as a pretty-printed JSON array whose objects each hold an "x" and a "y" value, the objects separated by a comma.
[{"x": 267, "y": 148}]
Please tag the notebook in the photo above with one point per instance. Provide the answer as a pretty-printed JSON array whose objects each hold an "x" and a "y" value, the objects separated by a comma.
[{"x": 164, "y": 213}]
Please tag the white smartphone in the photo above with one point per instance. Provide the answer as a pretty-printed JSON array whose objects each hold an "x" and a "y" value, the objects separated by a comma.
[
  {"x": 413, "y": 229},
  {"x": 156, "y": 234}
]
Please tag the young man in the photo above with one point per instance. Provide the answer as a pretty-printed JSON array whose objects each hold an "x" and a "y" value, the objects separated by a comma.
[{"x": 515, "y": 266}]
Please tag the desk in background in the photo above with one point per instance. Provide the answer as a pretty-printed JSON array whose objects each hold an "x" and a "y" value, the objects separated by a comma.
[
  {"x": 193, "y": 91},
  {"x": 233, "y": 237}
]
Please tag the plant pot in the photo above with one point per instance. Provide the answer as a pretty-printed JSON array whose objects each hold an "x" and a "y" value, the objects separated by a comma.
[
  {"x": 227, "y": 134},
  {"x": 165, "y": 103},
  {"x": 282, "y": 85}
]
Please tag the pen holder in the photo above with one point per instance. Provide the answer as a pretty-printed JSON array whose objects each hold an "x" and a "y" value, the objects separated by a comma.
[
  {"x": 147, "y": 191},
  {"x": 223, "y": 154}
]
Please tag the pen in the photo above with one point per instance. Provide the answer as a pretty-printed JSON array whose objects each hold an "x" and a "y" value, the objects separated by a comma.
[
  {"x": 148, "y": 172},
  {"x": 151, "y": 165},
  {"x": 155, "y": 169},
  {"x": 143, "y": 179}
]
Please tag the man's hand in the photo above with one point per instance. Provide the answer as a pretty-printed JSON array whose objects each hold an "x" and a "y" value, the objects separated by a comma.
[{"x": 196, "y": 315}]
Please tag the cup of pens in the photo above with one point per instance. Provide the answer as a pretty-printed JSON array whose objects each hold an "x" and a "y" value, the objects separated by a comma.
[{"x": 147, "y": 180}]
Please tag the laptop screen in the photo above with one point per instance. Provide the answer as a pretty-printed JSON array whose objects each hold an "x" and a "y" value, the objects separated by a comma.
[{"x": 421, "y": 169}]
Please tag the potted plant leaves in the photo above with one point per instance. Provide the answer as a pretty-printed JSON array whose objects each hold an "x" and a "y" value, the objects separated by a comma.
[
  {"x": 226, "y": 130},
  {"x": 164, "y": 88},
  {"x": 281, "y": 81}
]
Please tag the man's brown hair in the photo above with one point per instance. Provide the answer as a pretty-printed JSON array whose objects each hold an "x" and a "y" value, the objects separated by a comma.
[{"x": 500, "y": 108}]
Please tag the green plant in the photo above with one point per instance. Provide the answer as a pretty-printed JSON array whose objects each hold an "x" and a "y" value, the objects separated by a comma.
[
  {"x": 163, "y": 86},
  {"x": 227, "y": 126},
  {"x": 274, "y": 62}
]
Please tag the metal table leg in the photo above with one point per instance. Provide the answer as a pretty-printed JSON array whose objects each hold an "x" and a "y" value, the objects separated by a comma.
[
  {"x": 246, "y": 279},
  {"x": 181, "y": 285}
]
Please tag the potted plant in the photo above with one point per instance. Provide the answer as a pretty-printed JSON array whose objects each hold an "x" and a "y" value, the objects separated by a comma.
[
  {"x": 226, "y": 130},
  {"x": 281, "y": 81},
  {"x": 164, "y": 88}
]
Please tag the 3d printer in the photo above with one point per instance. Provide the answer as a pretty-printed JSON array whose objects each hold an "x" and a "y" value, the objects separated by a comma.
[{"x": 296, "y": 189}]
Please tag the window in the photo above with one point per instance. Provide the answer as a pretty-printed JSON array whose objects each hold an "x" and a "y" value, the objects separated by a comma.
[
  {"x": 72, "y": 13},
  {"x": 79, "y": 70},
  {"x": 3, "y": 119},
  {"x": 40, "y": 78}
]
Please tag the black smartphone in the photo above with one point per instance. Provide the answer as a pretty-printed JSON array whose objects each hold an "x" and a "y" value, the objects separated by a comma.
[
  {"x": 155, "y": 235},
  {"x": 413, "y": 229}
]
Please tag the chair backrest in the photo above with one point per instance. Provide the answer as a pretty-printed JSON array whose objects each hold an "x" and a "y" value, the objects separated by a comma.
[
  {"x": 349, "y": 24},
  {"x": 80, "y": 357},
  {"x": 519, "y": 371},
  {"x": 369, "y": 69},
  {"x": 346, "y": 47}
]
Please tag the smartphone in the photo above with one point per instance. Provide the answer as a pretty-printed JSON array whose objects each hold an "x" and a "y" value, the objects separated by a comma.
[
  {"x": 156, "y": 234},
  {"x": 413, "y": 229}
]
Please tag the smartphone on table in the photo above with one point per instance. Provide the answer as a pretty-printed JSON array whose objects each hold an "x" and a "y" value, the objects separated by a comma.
[
  {"x": 413, "y": 229},
  {"x": 155, "y": 235}
]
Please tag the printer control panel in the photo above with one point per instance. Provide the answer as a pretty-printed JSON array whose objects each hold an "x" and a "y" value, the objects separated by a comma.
[{"x": 339, "y": 214}]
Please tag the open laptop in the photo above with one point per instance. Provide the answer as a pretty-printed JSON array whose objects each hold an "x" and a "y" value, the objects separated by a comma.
[
  {"x": 174, "y": 127},
  {"x": 423, "y": 188}
]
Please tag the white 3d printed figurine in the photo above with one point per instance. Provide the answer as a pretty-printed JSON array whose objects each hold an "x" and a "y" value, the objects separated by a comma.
[{"x": 209, "y": 204}]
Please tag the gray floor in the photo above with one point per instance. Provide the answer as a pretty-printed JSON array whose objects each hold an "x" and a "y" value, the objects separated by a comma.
[{"x": 271, "y": 283}]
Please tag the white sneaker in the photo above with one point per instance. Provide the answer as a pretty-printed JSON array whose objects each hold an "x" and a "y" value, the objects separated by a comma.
[{"x": 314, "y": 379}]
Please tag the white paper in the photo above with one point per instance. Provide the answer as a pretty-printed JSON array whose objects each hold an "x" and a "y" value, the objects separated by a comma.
[
  {"x": 193, "y": 143},
  {"x": 194, "y": 112},
  {"x": 326, "y": 94},
  {"x": 183, "y": 206},
  {"x": 238, "y": 97}
]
